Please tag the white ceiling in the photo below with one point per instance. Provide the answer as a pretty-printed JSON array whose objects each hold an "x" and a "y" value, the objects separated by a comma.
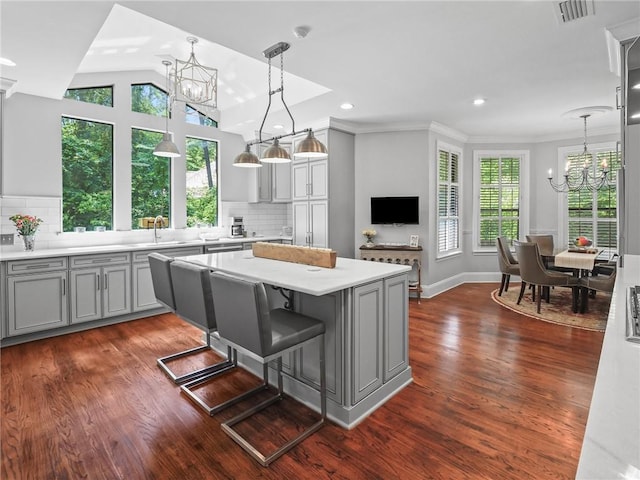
[{"x": 402, "y": 64}]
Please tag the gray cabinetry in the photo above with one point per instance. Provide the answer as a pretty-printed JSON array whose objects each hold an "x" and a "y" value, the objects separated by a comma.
[
  {"x": 36, "y": 295},
  {"x": 323, "y": 195},
  {"x": 327, "y": 308},
  {"x": 274, "y": 182},
  {"x": 396, "y": 326},
  {"x": 366, "y": 339},
  {"x": 100, "y": 286},
  {"x": 144, "y": 297}
]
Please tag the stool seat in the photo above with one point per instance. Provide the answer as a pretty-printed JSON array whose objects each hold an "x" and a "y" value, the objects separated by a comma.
[
  {"x": 179, "y": 286},
  {"x": 246, "y": 323}
]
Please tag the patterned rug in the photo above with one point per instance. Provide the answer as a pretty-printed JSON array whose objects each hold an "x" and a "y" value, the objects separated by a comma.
[{"x": 558, "y": 310}]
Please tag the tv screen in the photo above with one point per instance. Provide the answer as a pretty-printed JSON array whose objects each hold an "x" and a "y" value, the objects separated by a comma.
[{"x": 389, "y": 210}]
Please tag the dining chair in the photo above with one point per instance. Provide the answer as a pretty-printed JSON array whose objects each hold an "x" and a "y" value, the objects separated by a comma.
[
  {"x": 507, "y": 263},
  {"x": 533, "y": 272},
  {"x": 604, "y": 282}
]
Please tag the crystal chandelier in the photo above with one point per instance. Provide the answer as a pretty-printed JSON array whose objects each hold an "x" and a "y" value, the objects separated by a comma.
[
  {"x": 309, "y": 147},
  {"x": 194, "y": 83},
  {"x": 584, "y": 178}
]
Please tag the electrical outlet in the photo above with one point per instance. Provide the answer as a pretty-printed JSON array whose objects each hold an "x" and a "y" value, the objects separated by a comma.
[{"x": 6, "y": 239}]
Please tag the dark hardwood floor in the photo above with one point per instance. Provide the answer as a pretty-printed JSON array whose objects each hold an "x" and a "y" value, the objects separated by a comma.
[{"x": 495, "y": 396}]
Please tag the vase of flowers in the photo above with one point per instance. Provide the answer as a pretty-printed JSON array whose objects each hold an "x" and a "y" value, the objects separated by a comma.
[
  {"x": 26, "y": 225},
  {"x": 369, "y": 234}
]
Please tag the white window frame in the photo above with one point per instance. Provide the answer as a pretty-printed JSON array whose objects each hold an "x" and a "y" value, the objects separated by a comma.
[
  {"x": 524, "y": 193},
  {"x": 563, "y": 210},
  {"x": 451, "y": 149}
]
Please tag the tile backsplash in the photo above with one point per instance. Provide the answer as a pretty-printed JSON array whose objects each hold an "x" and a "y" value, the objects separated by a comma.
[{"x": 261, "y": 218}]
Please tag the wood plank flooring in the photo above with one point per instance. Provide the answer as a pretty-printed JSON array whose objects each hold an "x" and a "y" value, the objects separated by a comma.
[{"x": 495, "y": 396}]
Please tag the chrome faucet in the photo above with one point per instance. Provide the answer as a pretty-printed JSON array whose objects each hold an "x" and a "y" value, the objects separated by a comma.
[{"x": 155, "y": 225}]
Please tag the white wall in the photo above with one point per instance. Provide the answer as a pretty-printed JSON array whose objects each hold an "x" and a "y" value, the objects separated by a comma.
[{"x": 403, "y": 163}]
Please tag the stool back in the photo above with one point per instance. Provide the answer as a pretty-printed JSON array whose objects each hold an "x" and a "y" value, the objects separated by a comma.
[
  {"x": 160, "y": 266},
  {"x": 192, "y": 291},
  {"x": 242, "y": 310}
]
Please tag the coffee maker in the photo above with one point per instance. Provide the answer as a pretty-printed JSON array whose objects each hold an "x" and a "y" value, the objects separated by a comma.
[{"x": 237, "y": 228}]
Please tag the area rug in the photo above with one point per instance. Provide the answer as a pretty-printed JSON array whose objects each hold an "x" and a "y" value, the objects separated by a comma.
[{"x": 558, "y": 310}]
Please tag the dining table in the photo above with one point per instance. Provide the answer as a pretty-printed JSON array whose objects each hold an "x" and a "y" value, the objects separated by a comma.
[{"x": 582, "y": 261}]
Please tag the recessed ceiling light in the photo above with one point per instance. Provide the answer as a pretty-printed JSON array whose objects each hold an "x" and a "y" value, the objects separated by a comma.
[
  {"x": 346, "y": 106},
  {"x": 278, "y": 126},
  {"x": 7, "y": 62},
  {"x": 479, "y": 101}
]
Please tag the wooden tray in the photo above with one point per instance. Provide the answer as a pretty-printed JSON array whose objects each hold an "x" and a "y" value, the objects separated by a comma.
[{"x": 318, "y": 257}]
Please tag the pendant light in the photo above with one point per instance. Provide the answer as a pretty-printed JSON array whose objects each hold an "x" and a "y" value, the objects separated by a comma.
[
  {"x": 166, "y": 148},
  {"x": 275, "y": 153},
  {"x": 310, "y": 147},
  {"x": 247, "y": 159}
]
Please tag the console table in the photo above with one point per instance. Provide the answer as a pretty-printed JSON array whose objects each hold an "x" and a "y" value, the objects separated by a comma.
[{"x": 400, "y": 254}]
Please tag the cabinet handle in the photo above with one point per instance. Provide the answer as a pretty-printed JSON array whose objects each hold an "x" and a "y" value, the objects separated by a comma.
[
  {"x": 106, "y": 284},
  {"x": 98, "y": 282},
  {"x": 618, "y": 97},
  {"x": 64, "y": 286}
]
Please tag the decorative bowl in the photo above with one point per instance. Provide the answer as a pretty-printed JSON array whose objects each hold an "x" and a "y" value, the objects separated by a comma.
[{"x": 583, "y": 242}]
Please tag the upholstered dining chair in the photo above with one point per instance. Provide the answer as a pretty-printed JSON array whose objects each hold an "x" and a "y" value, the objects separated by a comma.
[
  {"x": 533, "y": 272},
  {"x": 507, "y": 263},
  {"x": 604, "y": 282}
]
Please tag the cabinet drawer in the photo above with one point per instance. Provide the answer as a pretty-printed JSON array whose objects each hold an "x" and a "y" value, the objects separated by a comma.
[
  {"x": 36, "y": 265},
  {"x": 141, "y": 256},
  {"x": 96, "y": 260}
]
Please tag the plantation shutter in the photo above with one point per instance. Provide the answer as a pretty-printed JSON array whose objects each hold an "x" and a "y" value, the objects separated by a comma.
[{"x": 448, "y": 201}]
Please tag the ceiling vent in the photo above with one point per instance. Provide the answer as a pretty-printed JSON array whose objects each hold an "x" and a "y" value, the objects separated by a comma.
[{"x": 574, "y": 9}]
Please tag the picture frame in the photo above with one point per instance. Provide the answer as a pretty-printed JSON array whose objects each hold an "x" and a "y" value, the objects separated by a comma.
[{"x": 414, "y": 240}]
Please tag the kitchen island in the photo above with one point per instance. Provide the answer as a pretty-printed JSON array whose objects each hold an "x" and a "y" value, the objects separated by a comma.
[{"x": 365, "y": 307}]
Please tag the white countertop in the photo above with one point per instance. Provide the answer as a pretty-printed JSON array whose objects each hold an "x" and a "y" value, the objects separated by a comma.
[
  {"x": 295, "y": 276},
  {"x": 611, "y": 446},
  {"x": 130, "y": 247}
]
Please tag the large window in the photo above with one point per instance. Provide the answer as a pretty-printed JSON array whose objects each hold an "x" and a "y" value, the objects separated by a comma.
[
  {"x": 593, "y": 214},
  {"x": 87, "y": 174},
  {"x": 202, "y": 182},
  {"x": 147, "y": 98},
  {"x": 150, "y": 178},
  {"x": 498, "y": 183},
  {"x": 98, "y": 95},
  {"x": 449, "y": 186}
]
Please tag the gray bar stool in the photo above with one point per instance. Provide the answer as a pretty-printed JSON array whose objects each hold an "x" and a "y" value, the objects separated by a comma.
[
  {"x": 189, "y": 303},
  {"x": 247, "y": 324}
]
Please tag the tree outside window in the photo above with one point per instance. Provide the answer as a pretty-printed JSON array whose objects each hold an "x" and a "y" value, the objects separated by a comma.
[
  {"x": 202, "y": 179},
  {"x": 499, "y": 198},
  {"x": 593, "y": 214},
  {"x": 150, "y": 178},
  {"x": 87, "y": 174}
]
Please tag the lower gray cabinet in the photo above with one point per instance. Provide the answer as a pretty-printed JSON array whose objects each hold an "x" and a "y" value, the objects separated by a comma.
[
  {"x": 396, "y": 326},
  {"x": 367, "y": 348},
  {"x": 327, "y": 308},
  {"x": 144, "y": 298},
  {"x": 36, "y": 302},
  {"x": 102, "y": 291}
]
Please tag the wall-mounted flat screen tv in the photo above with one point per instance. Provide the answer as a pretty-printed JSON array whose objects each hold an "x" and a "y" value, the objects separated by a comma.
[{"x": 389, "y": 210}]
